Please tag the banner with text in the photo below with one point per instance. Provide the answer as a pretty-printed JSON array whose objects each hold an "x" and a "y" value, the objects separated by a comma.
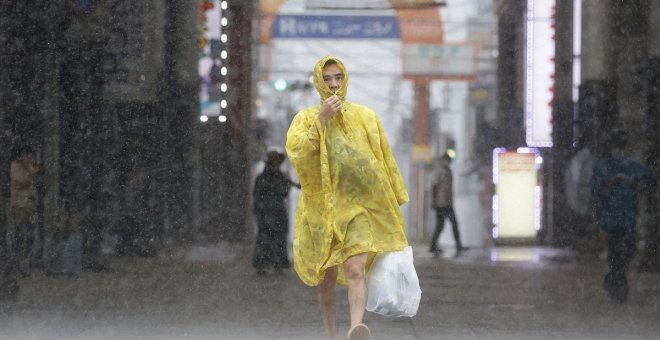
[
  {"x": 439, "y": 61},
  {"x": 335, "y": 27}
]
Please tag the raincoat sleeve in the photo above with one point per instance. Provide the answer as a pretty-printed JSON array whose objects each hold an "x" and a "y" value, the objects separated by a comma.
[
  {"x": 303, "y": 149},
  {"x": 392, "y": 168},
  {"x": 382, "y": 150}
]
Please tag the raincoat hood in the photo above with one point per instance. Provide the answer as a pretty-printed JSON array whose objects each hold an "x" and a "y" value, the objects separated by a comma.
[{"x": 320, "y": 85}]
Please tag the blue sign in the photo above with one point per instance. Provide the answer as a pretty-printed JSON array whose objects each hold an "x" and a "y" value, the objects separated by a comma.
[
  {"x": 86, "y": 6},
  {"x": 336, "y": 27}
]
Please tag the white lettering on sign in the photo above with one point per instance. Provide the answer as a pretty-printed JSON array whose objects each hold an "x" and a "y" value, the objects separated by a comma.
[
  {"x": 439, "y": 61},
  {"x": 540, "y": 71},
  {"x": 294, "y": 27},
  {"x": 335, "y": 27}
]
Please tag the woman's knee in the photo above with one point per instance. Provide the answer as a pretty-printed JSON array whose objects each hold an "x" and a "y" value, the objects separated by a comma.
[
  {"x": 329, "y": 278},
  {"x": 354, "y": 269}
]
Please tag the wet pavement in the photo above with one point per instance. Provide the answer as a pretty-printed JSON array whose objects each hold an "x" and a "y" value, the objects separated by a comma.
[{"x": 213, "y": 293}]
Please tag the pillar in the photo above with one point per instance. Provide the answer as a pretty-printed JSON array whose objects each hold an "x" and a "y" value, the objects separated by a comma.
[
  {"x": 562, "y": 124},
  {"x": 510, "y": 74},
  {"x": 597, "y": 103},
  {"x": 650, "y": 261},
  {"x": 181, "y": 111}
]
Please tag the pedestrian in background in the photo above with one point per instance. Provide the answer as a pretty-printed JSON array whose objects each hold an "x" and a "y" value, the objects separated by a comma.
[
  {"x": 443, "y": 203},
  {"x": 271, "y": 189},
  {"x": 615, "y": 183},
  {"x": 23, "y": 207},
  {"x": 348, "y": 210},
  {"x": 136, "y": 234}
]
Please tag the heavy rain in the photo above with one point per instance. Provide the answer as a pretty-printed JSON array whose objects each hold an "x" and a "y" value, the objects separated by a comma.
[{"x": 207, "y": 169}]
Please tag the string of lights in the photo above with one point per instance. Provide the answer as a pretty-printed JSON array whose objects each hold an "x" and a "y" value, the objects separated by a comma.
[{"x": 214, "y": 22}]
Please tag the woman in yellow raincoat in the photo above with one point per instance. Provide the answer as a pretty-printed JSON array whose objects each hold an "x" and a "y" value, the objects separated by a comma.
[{"x": 348, "y": 209}]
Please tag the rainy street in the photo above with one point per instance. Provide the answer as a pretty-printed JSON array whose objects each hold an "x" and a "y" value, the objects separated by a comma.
[
  {"x": 212, "y": 293},
  {"x": 257, "y": 169}
]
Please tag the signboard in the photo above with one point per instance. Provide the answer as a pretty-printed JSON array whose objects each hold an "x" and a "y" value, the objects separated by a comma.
[
  {"x": 420, "y": 25},
  {"x": 84, "y": 6},
  {"x": 439, "y": 61},
  {"x": 422, "y": 153},
  {"x": 517, "y": 200},
  {"x": 540, "y": 70},
  {"x": 346, "y": 4},
  {"x": 371, "y": 4},
  {"x": 134, "y": 54},
  {"x": 335, "y": 27}
]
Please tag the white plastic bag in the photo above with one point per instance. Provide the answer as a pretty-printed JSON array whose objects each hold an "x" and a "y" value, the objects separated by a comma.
[{"x": 393, "y": 284}]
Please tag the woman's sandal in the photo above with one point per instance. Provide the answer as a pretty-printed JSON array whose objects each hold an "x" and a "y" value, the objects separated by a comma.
[{"x": 359, "y": 332}]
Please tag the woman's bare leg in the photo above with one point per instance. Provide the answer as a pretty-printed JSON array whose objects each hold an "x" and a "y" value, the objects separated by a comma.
[
  {"x": 355, "y": 271},
  {"x": 326, "y": 295}
]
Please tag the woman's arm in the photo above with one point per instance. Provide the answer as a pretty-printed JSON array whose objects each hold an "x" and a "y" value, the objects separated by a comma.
[{"x": 303, "y": 147}]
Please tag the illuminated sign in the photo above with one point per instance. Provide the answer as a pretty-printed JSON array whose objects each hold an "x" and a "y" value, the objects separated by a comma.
[
  {"x": 540, "y": 72},
  {"x": 517, "y": 200},
  {"x": 336, "y": 27}
]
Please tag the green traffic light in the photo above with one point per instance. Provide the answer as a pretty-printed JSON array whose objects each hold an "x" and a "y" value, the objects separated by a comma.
[{"x": 280, "y": 85}]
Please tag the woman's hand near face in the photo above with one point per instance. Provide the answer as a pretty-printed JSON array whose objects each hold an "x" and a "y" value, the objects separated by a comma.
[{"x": 329, "y": 108}]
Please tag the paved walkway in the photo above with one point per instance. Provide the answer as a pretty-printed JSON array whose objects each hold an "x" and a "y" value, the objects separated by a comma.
[{"x": 213, "y": 293}]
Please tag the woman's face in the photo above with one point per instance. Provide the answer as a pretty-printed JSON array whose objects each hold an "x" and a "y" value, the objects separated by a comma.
[{"x": 333, "y": 77}]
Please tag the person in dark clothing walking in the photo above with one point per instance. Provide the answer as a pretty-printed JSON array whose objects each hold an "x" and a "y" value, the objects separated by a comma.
[
  {"x": 271, "y": 189},
  {"x": 443, "y": 202},
  {"x": 615, "y": 183},
  {"x": 136, "y": 232}
]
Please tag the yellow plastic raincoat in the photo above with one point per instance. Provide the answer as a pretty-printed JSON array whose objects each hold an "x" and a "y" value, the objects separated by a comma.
[{"x": 351, "y": 186}]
